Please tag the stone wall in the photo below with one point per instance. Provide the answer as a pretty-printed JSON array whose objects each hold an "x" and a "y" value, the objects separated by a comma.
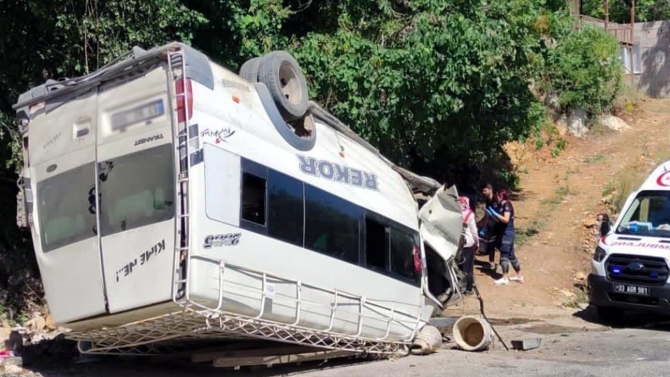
[{"x": 652, "y": 41}]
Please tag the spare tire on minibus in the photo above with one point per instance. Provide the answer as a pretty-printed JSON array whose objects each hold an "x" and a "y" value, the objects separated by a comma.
[
  {"x": 250, "y": 68},
  {"x": 284, "y": 78}
]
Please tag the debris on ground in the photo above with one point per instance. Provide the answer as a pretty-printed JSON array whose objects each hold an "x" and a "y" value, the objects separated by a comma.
[
  {"x": 526, "y": 344},
  {"x": 36, "y": 341}
]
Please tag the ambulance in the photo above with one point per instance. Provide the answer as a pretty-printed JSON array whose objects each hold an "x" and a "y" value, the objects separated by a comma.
[{"x": 630, "y": 264}]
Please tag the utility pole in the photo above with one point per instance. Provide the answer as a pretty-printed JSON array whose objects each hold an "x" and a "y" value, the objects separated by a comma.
[{"x": 575, "y": 9}]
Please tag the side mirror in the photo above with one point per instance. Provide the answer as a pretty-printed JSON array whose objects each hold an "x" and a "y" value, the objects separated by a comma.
[{"x": 605, "y": 227}]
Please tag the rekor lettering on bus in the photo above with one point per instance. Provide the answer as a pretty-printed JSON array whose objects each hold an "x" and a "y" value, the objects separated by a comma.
[
  {"x": 145, "y": 140},
  {"x": 218, "y": 240},
  {"x": 144, "y": 258},
  {"x": 338, "y": 173}
]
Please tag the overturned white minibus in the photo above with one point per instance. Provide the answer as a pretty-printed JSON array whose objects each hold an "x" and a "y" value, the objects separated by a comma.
[{"x": 170, "y": 198}]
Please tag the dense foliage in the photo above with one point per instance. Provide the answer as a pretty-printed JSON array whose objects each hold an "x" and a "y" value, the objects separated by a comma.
[
  {"x": 584, "y": 70},
  {"x": 432, "y": 83},
  {"x": 619, "y": 10}
]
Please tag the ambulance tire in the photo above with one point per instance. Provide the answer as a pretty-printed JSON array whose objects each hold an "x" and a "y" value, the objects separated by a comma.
[
  {"x": 284, "y": 78},
  {"x": 250, "y": 69}
]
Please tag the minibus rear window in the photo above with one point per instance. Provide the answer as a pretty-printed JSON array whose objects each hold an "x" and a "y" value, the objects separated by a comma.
[
  {"x": 136, "y": 190},
  {"x": 66, "y": 207}
]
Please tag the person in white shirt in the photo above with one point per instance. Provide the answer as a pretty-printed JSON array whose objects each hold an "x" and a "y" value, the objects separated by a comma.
[{"x": 471, "y": 244}]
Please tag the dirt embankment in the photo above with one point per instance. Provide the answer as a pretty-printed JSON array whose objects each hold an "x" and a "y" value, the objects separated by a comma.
[{"x": 556, "y": 206}]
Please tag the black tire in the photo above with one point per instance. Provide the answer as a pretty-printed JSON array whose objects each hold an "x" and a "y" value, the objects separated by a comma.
[
  {"x": 300, "y": 134},
  {"x": 282, "y": 75},
  {"x": 610, "y": 314},
  {"x": 250, "y": 69}
]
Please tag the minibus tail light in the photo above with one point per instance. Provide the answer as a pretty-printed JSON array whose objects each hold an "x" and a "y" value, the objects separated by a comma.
[{"x": 184, "y": 96}]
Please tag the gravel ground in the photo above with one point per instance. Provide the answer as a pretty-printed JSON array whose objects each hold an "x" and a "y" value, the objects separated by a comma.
[{"x": 570, "y": 346}]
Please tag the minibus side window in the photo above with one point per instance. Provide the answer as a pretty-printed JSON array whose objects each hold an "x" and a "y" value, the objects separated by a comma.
[
  {"x": 376, "y": 245},
  {"x": 402, "y": 260},
  {"x": 253, "y": 198},
  {"x": 331, "y": 225},
  {"x": 285, "y": 208}
]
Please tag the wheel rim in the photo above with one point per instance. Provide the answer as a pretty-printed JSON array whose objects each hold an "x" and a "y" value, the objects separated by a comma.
[
  {"x": 303, "y": 127},
  {"x": 290, "y": 85}
]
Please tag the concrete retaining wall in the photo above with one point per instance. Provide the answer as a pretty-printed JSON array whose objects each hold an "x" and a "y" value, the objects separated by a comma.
[{"x": 652, "y": 50}]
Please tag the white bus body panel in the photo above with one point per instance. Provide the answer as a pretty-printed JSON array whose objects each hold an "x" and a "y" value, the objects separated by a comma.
[
  {"x": 215, "y": 211},
  {"x": 231, "y": 125},
  {"x": 139, "y": 262},
  {"x": 72, "y": 275}
]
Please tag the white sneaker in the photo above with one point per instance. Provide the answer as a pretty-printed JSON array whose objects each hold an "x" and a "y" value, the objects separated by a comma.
[
  {"x": 502, "y": 281},
  {"x": 518, "y": 278}
]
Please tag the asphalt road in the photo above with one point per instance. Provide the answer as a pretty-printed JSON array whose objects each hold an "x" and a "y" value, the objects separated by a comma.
[
  {"x": 612, "y": 353},
  {"x": 570, "y": 347}
]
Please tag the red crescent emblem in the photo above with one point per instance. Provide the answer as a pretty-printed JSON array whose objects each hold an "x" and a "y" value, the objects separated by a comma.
[{"x": 664, "y": 179}]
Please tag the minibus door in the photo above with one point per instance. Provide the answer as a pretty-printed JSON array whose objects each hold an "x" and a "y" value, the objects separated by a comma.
[
  {"x": 441, "y": 228},
  {"x": 62, "y": 155},
  {"x": 136, "y": 177}
]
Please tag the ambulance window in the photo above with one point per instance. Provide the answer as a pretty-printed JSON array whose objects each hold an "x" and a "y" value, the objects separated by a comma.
[
  {"x": 253, "y": 198},
  {"x": 285, "y": 208},
  {"x": 136, "y": 190},
  {"x": 648, "y": 214},
  {"x": 66, "y": 207}
]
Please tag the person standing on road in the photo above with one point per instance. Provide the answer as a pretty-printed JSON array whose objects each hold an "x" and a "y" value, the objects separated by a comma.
[
  {"x": 489, "y": 225},
  {"x": 471, "y": 243},
  {"x": 505, "y": 238}
]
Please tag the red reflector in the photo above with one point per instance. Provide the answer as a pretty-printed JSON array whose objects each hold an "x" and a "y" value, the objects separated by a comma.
[
  {"x": 181, "y": 110},
  {"x": 236, "y": 99}
]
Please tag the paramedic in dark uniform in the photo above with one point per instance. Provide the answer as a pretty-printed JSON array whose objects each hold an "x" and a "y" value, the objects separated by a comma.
[
  {"x": 489, "y": 226},
  {"x": 505, "y": 238}
]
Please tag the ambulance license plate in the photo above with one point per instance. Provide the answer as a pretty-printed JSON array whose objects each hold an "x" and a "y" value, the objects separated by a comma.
[{"x": 631, "y": 289}]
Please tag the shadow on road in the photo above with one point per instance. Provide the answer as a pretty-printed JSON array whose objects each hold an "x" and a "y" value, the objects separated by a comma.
[
  {"x": 485, "y": 268},
  {"x": 629, "y": 320},
  {"x": 61, "y": 359}
]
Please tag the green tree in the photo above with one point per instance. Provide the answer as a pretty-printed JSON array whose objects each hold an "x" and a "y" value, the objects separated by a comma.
[
  {"x": 585, "y": 70},
  {"x": 42, "y": 39},
  {"x": 429, "y": 82},
  {"x": 619, "y": 10}
]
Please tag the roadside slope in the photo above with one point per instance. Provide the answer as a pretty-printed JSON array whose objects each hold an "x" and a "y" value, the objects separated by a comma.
[{"x": 555, "y": 211}]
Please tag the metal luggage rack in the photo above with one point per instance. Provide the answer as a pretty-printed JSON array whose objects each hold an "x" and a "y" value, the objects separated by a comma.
[{"x": 197, "y": 321}]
